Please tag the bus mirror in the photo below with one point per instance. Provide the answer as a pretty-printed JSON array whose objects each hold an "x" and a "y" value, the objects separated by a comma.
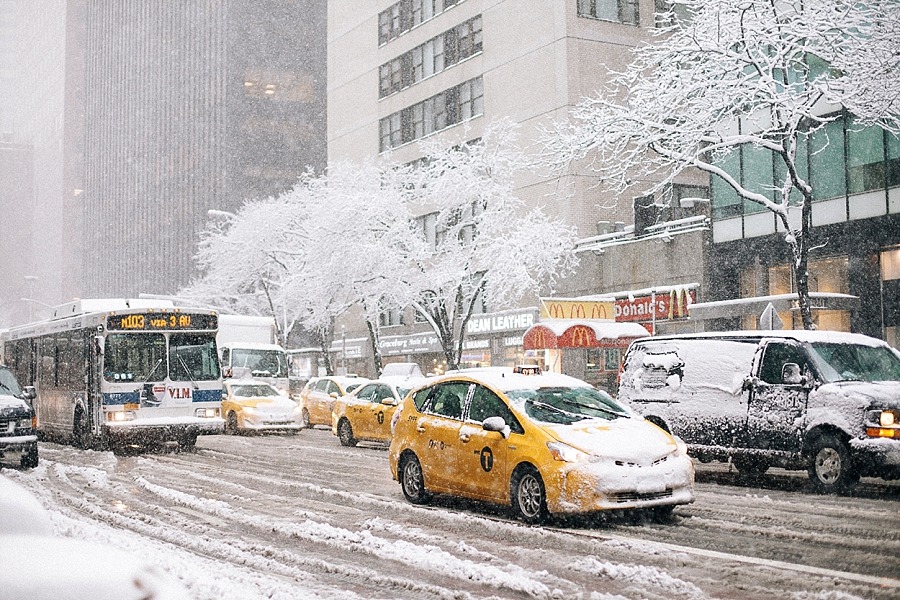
[{"x": 98, "y": 344}]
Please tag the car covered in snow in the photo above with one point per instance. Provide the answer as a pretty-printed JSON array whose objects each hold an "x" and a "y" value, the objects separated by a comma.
[
  {"x": 36, "y": 564},
  {"x": 544, "y": 443},
  {"x": 253, "y": 405},
  {"x": 318, "y": 396},
  {"x": 823, "y": 401},
  {"x": 365, "y": 413},
  {"x": 18, "y": 437}
]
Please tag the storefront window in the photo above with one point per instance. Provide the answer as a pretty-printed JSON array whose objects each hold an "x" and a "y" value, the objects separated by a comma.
[{"x": 890, "y": 294}]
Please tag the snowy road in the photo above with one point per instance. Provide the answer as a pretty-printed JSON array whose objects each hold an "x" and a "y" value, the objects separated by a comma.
[{"x": 303, "y": 517}]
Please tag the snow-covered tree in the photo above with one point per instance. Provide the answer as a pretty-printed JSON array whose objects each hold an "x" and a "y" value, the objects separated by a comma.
[
  {"x": 242, "y": 268},
  {"x": 483, "y": 244},
  {"x": 358, "y": 232},
  {"x": 765, "y": 75}
]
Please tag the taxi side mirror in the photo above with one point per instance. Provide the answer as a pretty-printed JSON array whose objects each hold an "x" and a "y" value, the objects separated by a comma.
[
  {"x": 389, "y": 402},
  {"x": 497, "y": 424}
]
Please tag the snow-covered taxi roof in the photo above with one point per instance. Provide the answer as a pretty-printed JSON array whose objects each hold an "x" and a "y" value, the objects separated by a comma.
[{"x": 505, "y": 379}]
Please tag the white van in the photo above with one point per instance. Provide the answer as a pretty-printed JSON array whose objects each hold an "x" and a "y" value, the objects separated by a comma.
[{"x": 818, "y": 400}]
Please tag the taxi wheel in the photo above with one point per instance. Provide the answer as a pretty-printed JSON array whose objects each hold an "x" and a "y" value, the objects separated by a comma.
[
  {"x": 304, "y": 419},
  {"x": 412, "y": 481},
  {"x": 529, "y": 499},
  {"x": 345, "y": 433},
  {"x": 231, "y": 424}
]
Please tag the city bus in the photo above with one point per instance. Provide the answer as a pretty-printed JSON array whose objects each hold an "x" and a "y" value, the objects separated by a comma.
[{"x": 117, "y": 374}]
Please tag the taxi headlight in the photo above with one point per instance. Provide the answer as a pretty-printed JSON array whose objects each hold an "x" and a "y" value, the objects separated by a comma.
[
  {"x": 207, "y": 413},
  {"x": 248, "y": 410},
  {"x": 565, "y": 453}
]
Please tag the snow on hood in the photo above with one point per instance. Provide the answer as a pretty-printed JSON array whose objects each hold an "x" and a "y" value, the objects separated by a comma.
[
  {"x": 7, "y": 401},
  {"x": 268, "y": 402},
  {"x": 845, "y": 402},
  {"x": 630, "y": 440}
]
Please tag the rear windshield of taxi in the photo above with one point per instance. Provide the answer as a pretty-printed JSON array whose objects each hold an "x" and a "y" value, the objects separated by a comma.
[{"x": 567, "y": 405}]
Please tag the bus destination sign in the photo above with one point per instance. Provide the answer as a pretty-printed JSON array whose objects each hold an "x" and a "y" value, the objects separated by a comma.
[{"x": 157, "y": 321}]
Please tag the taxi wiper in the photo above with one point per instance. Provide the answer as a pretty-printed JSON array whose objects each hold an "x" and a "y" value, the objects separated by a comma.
[
  {"x": 556, "y": 409},
  {"x": 608, "y": 411}
]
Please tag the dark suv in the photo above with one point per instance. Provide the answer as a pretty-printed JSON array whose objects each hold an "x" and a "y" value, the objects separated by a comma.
[{"x": 18, "y": 440}]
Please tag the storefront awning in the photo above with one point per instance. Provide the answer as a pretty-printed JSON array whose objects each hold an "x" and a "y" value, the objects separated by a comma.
[{"x": 581, "y": 333}]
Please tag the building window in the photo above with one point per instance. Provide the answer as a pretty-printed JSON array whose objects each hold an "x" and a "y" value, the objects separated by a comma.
[
  {"x": 620, "y": 11},
  {"x": 866, "y": 167},
  {"x": 830, "y": 275},
  {"x": 390, "y": 317},
  {"x": 402, "y": 16},
  {"x": 435, "y": 55},
  {"x": 827, "y": 160},
  {"x": 450, "y": 107}
]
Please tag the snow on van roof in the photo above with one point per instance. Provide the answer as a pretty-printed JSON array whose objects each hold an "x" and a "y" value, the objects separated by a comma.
[{"x": 800, "y": 335}]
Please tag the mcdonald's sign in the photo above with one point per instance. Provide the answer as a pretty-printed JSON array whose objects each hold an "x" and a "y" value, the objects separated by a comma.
[
  {"x": 578, "y": 336},
  {"x": 553, "y": 308},
  {"x": 539, "y": 338},
  {"x": 662, "y": 306}
]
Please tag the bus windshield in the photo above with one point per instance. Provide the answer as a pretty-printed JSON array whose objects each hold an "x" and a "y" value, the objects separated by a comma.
[
  {"x": 134, "y": 357},
  {"x": 142, "y": 357},
  {"x": 192, "y": 357}
]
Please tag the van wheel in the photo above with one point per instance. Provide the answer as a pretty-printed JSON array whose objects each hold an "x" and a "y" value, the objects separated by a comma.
[
  {"x": 529, "y": 499},
  {"x": 750, "y": 466},
  {"x": 412, "y": 481},
  {"x": 345, "y": 433},
  {"x": 831, "y": 469}
]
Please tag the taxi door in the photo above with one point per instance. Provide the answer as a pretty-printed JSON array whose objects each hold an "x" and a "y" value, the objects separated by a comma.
[
  {"x": 358, "y": 409},
  {"x": 483, "y": 465},
  {"x": 378, "y": 425},
  {"x": 438, "y": 435}
]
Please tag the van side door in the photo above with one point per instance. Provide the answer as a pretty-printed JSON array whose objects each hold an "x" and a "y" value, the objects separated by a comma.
[{"x": 777, "y": 399}]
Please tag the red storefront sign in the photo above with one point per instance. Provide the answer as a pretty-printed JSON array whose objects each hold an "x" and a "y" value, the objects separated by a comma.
[{"x": 661, "y": 307}]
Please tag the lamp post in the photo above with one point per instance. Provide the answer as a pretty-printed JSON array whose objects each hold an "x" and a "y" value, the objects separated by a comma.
[
  {"x": 30, "y": 279},
  {"x": 344, "y": 348}
]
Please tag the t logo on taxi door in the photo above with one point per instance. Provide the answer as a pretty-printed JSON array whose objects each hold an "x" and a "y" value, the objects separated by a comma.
[{"x": 487, "y": 459}]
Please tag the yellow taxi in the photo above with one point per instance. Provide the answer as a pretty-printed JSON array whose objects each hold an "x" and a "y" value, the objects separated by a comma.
[
  {"x": 365, "y": 413},
  {"x": 318, "y": 395},
  {"x": 252, "y": 405},
  {"x": 544, "y": 443}
]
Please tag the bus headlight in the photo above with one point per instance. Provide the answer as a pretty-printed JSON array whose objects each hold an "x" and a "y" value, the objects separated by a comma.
[
  {"x": 207, "y": 413},
  {"x": 119, "y": 416}
]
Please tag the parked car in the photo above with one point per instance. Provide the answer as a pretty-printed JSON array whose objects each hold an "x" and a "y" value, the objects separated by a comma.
[
  {"x": 18, "y": 437},
  {"x": 544, "y": 443},
  {"x": 365, "y": 413},
  {"x": 822, "y": 401},
  {"x": 318, "y": 395},
  {"x": 252, "y": 405},
  {"x": 35, "y": 564}
]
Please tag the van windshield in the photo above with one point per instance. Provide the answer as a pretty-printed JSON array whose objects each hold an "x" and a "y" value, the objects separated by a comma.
[
  {"x": 566, "y": 405},
  {"x": 853, "y": 362}
]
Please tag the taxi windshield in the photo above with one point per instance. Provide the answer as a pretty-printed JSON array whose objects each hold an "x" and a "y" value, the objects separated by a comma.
[
  {"x": 567, "y": 405},
  {"x": 253, "y": 390}
]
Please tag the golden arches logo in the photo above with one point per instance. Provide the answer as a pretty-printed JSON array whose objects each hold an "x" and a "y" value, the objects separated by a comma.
[
  {"x": 579, "y": 336},
  {"x": 557, "y": 311},
  {"x": 599, "y": 311}
]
